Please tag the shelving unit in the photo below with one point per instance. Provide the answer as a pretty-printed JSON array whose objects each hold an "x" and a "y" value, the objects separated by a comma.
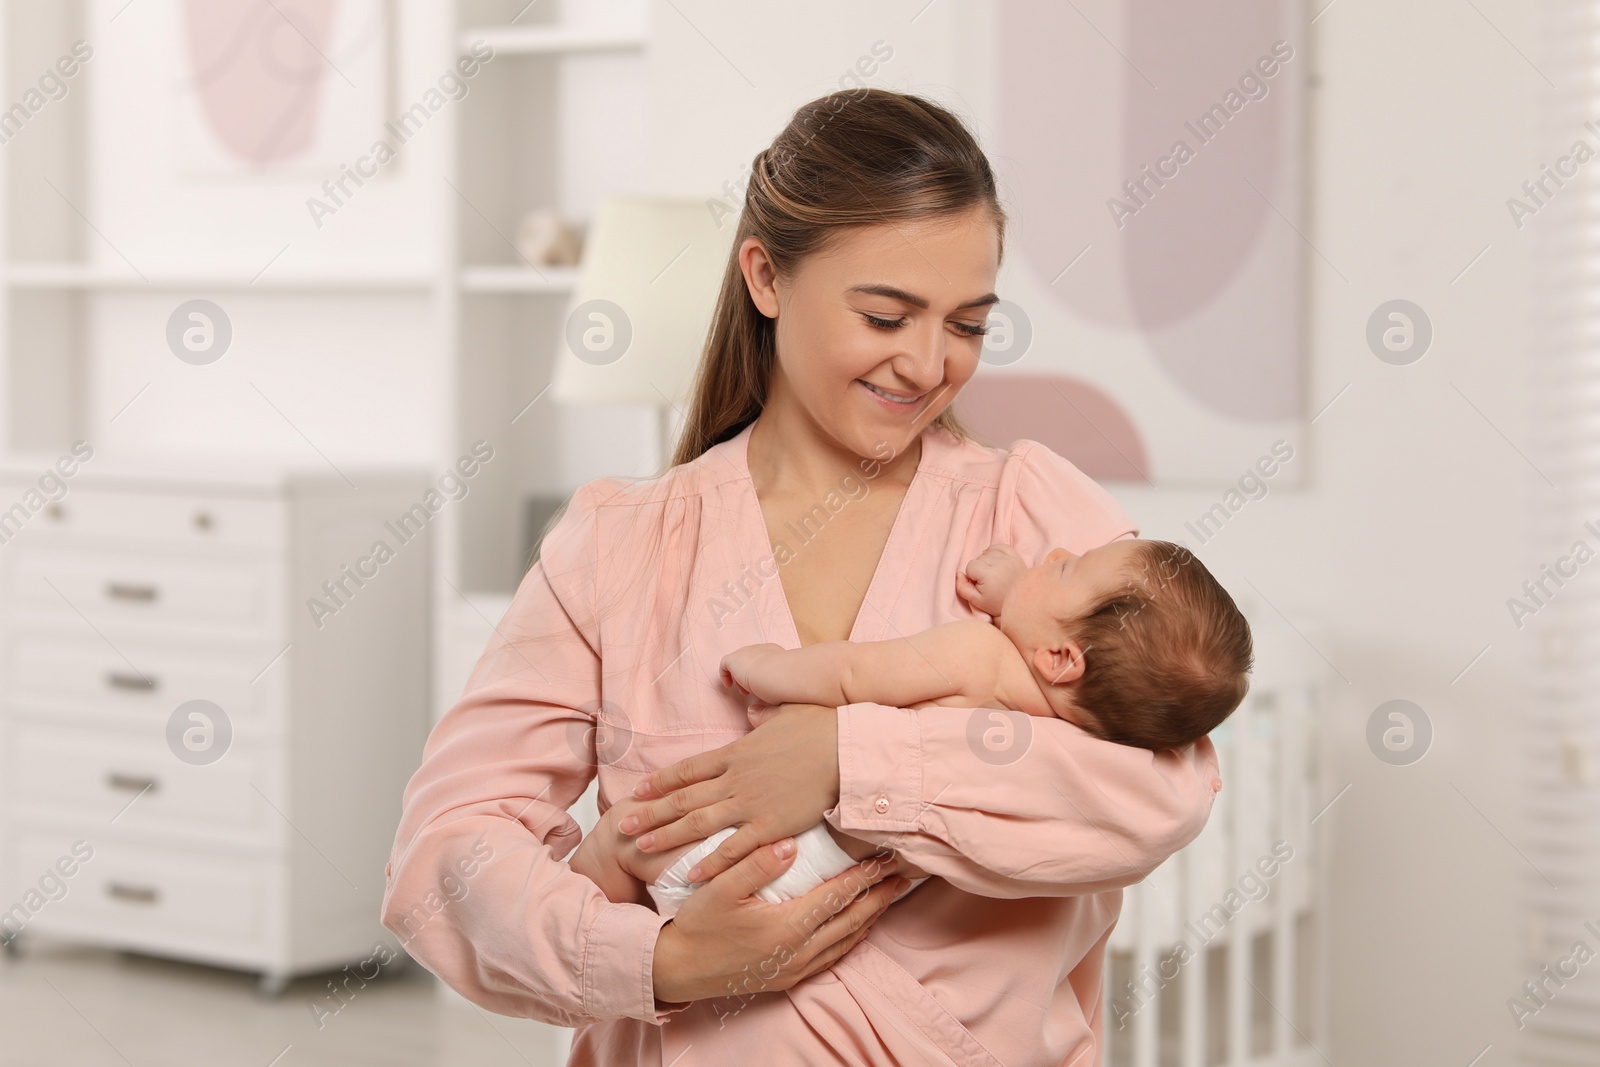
[
  {"x": 37, "y": 276},
  {"x": 556, "y": 40},
  {"x": 556, "y": 281},
  {"x": 200, "y": 580},
  {"x": 558, "y": 83},
  {"x": 555, "y": 120}
]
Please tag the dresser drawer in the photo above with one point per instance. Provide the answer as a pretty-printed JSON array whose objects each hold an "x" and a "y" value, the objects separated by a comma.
[
  {"x": 141, "y": 589},
  {"x": 178, "y": 521},
  {"x": 52, "y": 673},
  {"x": 94, "y": 775},
  {"x": 137, "y": 893}
]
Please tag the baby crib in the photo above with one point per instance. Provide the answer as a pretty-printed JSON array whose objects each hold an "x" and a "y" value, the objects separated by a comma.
[
  {"x": 1250, "y": 990},
  {"x": 1219, "y": 957}
]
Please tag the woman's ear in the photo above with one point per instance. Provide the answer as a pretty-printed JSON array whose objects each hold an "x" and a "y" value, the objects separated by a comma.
[
  {"x": 760, "y": 277},
  {"x": 1062, "y": 664}
]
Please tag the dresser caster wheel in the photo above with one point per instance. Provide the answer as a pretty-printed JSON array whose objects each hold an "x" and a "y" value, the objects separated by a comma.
[{"x": 271, "y": 984}]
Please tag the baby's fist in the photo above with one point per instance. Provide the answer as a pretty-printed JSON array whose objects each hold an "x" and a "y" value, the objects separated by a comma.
[
  {"x": 737, "y": 665},
  {"x": 989, "y": 577}
]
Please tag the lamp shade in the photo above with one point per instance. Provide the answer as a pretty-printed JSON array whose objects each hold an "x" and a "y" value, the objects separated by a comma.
[{"x": 638, "y": 318}]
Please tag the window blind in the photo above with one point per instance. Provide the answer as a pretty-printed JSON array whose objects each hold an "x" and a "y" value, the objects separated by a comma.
[{"x": 1557, "y": 1003}]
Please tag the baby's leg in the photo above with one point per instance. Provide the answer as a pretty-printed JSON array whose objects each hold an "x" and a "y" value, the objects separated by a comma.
[
  {"x": 613, "y": 861},
  {"x": 817, "y": 858},
  {"x": 671, "y": 886},
  {"x": 647, "y": 866}
]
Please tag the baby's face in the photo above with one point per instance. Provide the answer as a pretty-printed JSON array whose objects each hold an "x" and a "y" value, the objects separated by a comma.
[{"x": 1065, "y": 585}]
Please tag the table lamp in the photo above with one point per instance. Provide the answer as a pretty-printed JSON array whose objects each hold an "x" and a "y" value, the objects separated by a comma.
[{"x": 638, "y": 318}]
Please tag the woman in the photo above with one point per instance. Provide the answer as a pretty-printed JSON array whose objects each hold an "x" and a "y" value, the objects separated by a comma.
[{"x": 851, "y": 314}]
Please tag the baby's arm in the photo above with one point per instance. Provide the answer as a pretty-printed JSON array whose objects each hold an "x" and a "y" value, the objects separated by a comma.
[{"x": 955, "y": 659}]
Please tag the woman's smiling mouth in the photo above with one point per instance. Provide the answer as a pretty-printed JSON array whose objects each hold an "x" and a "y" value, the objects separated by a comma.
[{"x": 897, "y": 399}]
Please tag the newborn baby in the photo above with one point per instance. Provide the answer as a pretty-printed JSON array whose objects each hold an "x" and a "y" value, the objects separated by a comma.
[{"x": 1134, "y": 642}]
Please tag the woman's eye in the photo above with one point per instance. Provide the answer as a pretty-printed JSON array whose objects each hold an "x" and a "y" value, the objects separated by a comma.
[{"x": 967, "y": 328}]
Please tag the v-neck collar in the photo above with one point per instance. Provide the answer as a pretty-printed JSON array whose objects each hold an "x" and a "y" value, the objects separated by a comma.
[{"x": 739, "y": 453}]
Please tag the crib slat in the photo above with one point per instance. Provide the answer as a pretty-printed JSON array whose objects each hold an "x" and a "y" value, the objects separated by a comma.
[
  {"x": 1246, "y": 769},
  {"x": 1192, "y": 1049},
  {"x": 1144, "y": 1024}
]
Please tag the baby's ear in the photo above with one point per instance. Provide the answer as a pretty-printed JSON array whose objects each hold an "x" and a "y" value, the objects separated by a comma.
[{"x": 1063, "y": 664}]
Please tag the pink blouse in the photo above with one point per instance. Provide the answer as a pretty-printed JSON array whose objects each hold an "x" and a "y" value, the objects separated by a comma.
[{"x": 606, "y": 663}]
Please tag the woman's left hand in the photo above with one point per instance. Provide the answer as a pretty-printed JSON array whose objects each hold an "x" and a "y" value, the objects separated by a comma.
[{"x": 772, "y": 783}]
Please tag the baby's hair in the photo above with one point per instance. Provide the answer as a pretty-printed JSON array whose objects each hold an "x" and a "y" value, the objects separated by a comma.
[{"x": 1166, "y": 656}]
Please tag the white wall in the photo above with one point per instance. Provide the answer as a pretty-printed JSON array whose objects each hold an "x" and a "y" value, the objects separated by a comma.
[{"x": 1407, "y": 538}]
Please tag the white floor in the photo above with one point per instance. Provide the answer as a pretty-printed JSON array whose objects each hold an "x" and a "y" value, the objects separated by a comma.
[{"x": 68, "y": 1006}]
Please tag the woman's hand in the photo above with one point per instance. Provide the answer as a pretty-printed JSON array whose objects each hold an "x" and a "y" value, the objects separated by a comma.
[
  {"x": 725, "y": 941},
  {"x": 773, "y": 782}
]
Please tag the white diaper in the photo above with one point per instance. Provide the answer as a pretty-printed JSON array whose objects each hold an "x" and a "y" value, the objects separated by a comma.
[{"x": 817, "y": 858}]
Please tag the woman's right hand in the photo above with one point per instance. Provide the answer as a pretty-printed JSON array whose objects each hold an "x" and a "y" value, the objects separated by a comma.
[{"x": 726, "y": 941}]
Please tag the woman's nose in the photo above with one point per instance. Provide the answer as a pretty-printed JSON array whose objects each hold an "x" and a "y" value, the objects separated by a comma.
[{"x": 923, "y": 363}]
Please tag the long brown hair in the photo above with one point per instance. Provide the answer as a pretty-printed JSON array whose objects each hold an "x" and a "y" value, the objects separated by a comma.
[{"x": 851, "y": 158}]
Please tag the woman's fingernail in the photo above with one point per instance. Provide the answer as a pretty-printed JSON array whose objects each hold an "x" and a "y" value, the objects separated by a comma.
[
  {"x": 642, "y": 789},
  {"x": 784, "y": 847},
  {"x": 694, "y": 873},
  {"x": 629, "y": 824},
  {"x": 646, "y": 841}
]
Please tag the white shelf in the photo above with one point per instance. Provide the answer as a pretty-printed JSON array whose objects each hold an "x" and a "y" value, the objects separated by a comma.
[
  {"x": 83, "y": 276},
  {"x": 554, "y": 40},
  {"x": 519, "y": 279}
]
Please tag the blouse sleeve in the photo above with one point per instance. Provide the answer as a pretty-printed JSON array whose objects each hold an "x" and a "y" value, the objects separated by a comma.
[
  {"x": 1060, "y": 812},
  {"x": 478, "y": 891}
]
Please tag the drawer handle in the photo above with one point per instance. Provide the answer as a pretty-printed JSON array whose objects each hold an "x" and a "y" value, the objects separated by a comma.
[
  {"x": 132, "y": 783},
  {"x": 123, "y": 680},
  {"x": 133, "y": 894},
  {"x": 143, "y": 594}
]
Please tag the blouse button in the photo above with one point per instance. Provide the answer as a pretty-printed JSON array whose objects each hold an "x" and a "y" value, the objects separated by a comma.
[{"x": 882, "y": 805}]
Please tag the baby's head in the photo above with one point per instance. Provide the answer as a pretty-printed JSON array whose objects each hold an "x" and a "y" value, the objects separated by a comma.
[{"x": 1134, "y": 641}]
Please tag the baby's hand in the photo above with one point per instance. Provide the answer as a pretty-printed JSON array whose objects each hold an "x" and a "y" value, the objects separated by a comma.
[
  {"x": 737, "y": 665},
  {"x": 989, "y": 577},
  {"x": 605, "y": 856}
]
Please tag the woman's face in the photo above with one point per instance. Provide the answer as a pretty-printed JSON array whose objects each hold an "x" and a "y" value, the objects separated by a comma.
[{"x": 893, "y": 308}]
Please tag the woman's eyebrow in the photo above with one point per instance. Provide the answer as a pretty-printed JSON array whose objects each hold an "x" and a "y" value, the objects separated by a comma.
[{"x": 894, "y": 293}]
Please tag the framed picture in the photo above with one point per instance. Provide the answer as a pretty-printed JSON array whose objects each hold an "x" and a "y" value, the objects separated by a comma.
[
  {"x": 280, "y": 85},
  {"x": 1156, "y": 258}
]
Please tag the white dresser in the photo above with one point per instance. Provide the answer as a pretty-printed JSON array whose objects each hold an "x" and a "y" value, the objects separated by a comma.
[{"x": 252, "y": 838}]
